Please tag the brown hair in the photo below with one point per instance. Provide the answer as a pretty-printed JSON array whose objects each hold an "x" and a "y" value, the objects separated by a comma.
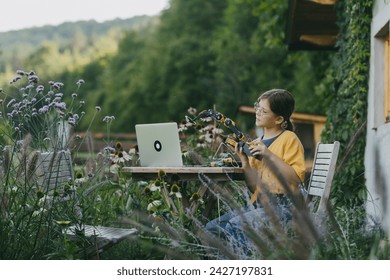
[{"x": 282, "y": 103}]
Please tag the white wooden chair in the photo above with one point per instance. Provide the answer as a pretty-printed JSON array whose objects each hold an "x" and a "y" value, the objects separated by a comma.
[
  {"x": 322, "y": 173},
  {"x": 56, "y": 169}
]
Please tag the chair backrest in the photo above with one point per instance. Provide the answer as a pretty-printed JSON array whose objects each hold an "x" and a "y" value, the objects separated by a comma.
[
  {"x": 55, "y": 169},
  {"x": 322, "y": 173}
]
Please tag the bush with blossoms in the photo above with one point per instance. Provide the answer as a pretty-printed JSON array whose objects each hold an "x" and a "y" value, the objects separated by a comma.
[
  {"x": 30, "y": 108},
  {"x": 37, "y": 117}
]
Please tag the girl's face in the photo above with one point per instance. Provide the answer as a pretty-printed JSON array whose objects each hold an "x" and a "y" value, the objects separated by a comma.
[{"x": 264, "y": 116}]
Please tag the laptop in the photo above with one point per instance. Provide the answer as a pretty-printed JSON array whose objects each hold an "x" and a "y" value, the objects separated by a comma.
[{"x": 159, "y": 144}]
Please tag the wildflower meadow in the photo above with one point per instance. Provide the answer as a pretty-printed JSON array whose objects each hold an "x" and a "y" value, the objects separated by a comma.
[{"x": 168, "y": 212}]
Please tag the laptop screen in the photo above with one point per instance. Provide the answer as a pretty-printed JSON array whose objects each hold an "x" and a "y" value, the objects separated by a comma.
[{"x": 159, "y": 144}]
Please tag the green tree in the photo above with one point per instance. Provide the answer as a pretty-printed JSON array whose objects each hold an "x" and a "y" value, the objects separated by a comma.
[
  {"x": 174, "y": 68},
  {"x": 200, "y": 54},
  {"x": 252, "y": 57}
]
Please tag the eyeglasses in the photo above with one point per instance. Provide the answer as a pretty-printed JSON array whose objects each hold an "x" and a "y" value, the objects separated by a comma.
[{"x": 259, "y": 109}]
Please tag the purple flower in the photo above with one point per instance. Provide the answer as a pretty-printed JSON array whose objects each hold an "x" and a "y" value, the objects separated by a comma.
[
  {"x": 109, "y": 149},
  {"x": 33, "y": 79},
  {"x": 80, "y": 82},
  {"x": 44, "y": 109},
  {"x": 60, "y": 105},
  {"x": 108, "y": 119},
  {"x": 16, "y": 78},
  {"x": 40, "y": 88},
  {"x": 12, "y": 101},
  {"x": 58, "y": 85},
  {"x": 72, "y": 121}
]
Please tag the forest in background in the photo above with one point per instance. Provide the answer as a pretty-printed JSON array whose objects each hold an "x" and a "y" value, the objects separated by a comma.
[
  {"x": 195, "y": 54},
  {"x": 68, "y": 46}
]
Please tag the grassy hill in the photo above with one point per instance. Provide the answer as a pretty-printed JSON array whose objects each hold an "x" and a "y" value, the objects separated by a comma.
[{"x": 82, "y": 38}]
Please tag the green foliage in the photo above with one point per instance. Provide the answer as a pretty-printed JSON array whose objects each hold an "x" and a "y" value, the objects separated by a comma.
[
  {"x": 347, "y": 111},
  {"x": 252, "y": 57},
  {"x": 221, "y": 53}
]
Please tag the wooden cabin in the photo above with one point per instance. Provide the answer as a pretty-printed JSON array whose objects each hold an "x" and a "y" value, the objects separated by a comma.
[{"x": 312, "y": 26}]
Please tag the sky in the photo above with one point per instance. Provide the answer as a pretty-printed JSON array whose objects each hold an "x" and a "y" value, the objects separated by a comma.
[{"x": 20, "y": 14}]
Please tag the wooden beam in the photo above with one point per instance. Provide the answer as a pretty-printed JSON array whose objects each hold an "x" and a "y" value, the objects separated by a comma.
[
  {"x": 320, "y": 40},
  {"x": 323, "y": 2},
  {"x": 301, "y": 117}
]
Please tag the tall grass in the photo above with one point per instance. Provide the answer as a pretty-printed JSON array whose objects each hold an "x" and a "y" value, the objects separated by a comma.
[
  {"x": 36, "y": 119},
  {"x": 338, "y": 233},
  {"x": 170, "y": 213}
]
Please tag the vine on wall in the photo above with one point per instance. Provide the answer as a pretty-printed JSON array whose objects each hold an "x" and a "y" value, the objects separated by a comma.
[{"x": 347, "y": 113}]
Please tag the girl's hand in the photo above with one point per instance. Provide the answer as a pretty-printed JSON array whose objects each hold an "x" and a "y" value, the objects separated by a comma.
[
  {"x": 257, "y": 148},
  {"x": 243, "y": 158}
]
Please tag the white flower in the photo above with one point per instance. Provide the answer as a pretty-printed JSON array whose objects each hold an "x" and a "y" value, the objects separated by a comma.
[
  {"x": 154, "y": 204},
  {"x": 154, "y": 188},
  {"x": 121, "y": 157},
  {"x": 175, "y": 190},
  {"x": 201, "y": 145},
  {"x": 183, "y": 127},
  {"x": 217, "y": 130},
  {"x": 37, "y": 212},
  {"x": 191, "y": 111},
  {"x": 208, "y": 137},
  {"x": 81, "y": 180},
  {"x": 177, "y": 194}
]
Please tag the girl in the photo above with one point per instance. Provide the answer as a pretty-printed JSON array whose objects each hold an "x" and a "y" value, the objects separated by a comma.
[
  {"x": 273, "y": 173},
  {"x": 282, "y": 167}
]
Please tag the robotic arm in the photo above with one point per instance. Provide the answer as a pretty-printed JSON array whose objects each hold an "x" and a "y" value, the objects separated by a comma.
[{"x": 236, "y": 138}]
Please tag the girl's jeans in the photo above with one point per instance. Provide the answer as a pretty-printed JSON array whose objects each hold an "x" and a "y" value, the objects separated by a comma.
[{"x": 235, "y": 225}]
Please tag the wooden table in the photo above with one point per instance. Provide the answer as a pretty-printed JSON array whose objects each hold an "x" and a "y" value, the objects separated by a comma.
[{"x": 187, "y": 173}]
